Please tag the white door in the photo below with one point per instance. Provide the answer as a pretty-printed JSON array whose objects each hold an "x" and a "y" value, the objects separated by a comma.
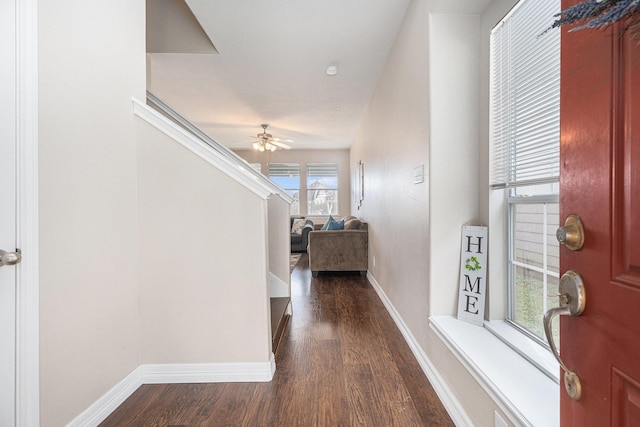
[{"x": 8, "y": 204}]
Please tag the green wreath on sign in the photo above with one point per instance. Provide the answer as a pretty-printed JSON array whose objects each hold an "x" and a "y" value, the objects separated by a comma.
[{"x": 472, "y": 264}]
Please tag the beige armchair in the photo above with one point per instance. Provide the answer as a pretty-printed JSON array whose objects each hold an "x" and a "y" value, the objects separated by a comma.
[{"x": 339, "y": 250}]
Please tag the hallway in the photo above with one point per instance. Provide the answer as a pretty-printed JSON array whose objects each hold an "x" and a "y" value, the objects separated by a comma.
[{"x": 342, "y": 362}]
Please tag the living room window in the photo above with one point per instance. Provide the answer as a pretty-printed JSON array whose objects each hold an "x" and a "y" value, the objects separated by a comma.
[
  {"x": 525, "y": 159},
  {"x": 322, "y": 189},
  {"x": 287, "y": 176}
]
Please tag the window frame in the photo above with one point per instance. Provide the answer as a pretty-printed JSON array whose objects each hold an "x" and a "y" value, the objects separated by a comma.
[
  {"x": 512, "y": 263},
  {"x": 287, "y": 189},
  {"x": 535, "y": 351}
]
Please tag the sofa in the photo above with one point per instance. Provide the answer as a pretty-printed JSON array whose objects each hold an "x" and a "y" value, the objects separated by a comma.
[
  {"x": 300, "y": 233},
  {"x": 344, "y": 249}
]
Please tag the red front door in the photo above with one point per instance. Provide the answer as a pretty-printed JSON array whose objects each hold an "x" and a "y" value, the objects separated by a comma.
[{"x": 600, "y": 182}]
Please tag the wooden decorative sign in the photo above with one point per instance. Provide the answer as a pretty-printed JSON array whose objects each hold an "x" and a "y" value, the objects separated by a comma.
[{"x": 473, "y": 274}]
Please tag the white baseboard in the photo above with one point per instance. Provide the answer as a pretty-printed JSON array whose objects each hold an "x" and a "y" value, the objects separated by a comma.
[
  {"x": 172, "y": 374},
  {"x": 457, "y": 413},
  {"x": 208, "y": 373},
  {"x": 108, "y": 403}
]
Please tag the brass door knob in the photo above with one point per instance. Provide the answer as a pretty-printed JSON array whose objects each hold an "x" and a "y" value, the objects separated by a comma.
[{"x": 571, "y": 234}]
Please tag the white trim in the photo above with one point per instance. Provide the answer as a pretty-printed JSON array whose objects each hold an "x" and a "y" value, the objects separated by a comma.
[
  {"x": 457, "y": 413},
  {"x": 240, "y": 172},
  {"x": 208, "y": 373},
  {"x": 172, "y": 374},
  {"x": 108, "y": 403},
  {"x": 27, "y": 316}
]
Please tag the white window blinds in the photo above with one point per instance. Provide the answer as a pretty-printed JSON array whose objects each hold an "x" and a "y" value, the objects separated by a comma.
[
  {"x": 290, "y": 170},
  {"x": 325, "y": 172},
  {"x": 525, "y": 96}
]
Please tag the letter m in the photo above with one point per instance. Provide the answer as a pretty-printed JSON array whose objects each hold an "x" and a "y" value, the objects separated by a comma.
[{"x": 472, "y": 288}]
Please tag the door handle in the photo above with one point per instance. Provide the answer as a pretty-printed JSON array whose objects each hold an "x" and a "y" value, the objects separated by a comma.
[
  {"x": 573, "y": 299},
  {"x": 9, "y": 258}
]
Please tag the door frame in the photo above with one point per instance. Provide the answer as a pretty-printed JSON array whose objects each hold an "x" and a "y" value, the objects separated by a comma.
[{"x": 28, "y": 287}]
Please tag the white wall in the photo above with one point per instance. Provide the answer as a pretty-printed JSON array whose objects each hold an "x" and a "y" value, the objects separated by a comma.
[
  {"x": 341, "y": 157},
  {"x": 393, "y": 140},
  {"x": 279, "y": 241},
  {"x": 455, "y": 184},
  {"x": 203, "y": 265},
  {"x": 91, "y": 62},
  {"x": 427, "y": 110},
  {"x": 454, "y": 51}
]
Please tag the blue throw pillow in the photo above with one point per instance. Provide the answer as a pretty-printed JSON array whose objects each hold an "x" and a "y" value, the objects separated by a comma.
[
  {"x": 325, "y": 226},
  {"x": 336, "y": 225}
]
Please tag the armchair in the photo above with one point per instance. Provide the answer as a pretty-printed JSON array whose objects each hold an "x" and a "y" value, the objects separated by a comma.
[
  {"x": 340, "y": 250},
  {"x": 299, "y": 241}
]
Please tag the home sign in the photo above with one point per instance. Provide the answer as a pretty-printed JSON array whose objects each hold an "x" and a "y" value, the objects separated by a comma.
[{"x": 473, "y": 274}]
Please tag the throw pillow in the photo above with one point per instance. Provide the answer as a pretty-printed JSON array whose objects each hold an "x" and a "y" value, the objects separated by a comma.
[
  {"x": 297, "y": 226},
  {"x": 325, "y": 226},
  {"x": 336, "y": 225},
  {"x": 352, "y": 224}
]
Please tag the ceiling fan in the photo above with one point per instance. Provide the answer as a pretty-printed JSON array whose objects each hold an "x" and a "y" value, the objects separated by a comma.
[{"x": 266, "y": 141}]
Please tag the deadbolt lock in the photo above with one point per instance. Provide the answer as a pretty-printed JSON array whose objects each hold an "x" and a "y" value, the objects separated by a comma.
[{"x": 571, "y": 234}]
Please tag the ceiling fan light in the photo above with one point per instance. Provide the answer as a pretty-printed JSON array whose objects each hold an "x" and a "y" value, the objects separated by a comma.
[{"x": 266, "y": 142}]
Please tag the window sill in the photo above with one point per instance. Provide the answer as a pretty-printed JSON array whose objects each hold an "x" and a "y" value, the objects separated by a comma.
[
  {"x": 527, "y": 348},
  {"x": 519, "y": 388}
]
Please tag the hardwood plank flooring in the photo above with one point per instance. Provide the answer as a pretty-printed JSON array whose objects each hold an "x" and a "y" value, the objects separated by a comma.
[{"x": 341, "y": 362}]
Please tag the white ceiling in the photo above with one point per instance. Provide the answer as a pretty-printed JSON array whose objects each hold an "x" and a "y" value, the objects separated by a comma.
[
  {"x": 230, "y": 65},
  {"x": 270, "y": 66}
]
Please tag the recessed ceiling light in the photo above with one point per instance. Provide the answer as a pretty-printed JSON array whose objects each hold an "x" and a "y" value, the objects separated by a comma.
[{"x": 332, "y": 70}]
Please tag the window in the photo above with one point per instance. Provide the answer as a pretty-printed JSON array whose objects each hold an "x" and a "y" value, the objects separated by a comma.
[
  {"x": 322, "y": 189},
  {"x": 525, "y": 159},
  {"x": 533, "y": 257},
  {"x": 287, "y": 176}
]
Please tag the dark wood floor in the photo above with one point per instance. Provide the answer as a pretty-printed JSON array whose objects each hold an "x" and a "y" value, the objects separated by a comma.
[{"x": 342, "y": 362}]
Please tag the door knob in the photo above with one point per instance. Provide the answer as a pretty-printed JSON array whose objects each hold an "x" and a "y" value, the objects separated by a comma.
[
  {"x": 571, "y": 234},
  {"x": 573, "y": 299},
  {"x": 9, "y": 258}
]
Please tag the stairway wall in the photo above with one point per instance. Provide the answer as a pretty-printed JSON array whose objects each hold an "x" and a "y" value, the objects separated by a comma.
[{"x": 203, "y": 264}]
